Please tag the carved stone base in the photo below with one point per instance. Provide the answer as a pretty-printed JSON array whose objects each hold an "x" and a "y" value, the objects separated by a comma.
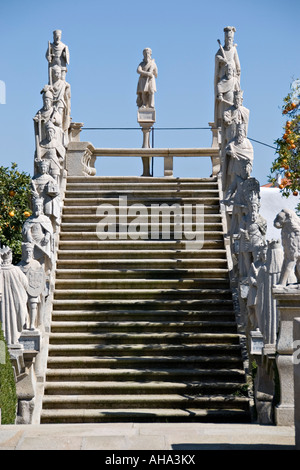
[
  {"x": 31, "y": 340},
  {"x": 146, "y": 115}
]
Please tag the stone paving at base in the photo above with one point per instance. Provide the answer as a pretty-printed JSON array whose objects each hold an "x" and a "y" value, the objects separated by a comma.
[{"x": 147, "y": 436}]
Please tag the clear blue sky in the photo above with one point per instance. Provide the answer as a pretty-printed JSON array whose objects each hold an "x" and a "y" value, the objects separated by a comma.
[{"x": 106, "y": 40}]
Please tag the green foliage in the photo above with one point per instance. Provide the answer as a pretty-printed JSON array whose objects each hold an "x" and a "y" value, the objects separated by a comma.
[
  {"x": 8, "y": 394},
  {"x": 14, "y": 207},
  {"x": 287, "y": 163}
]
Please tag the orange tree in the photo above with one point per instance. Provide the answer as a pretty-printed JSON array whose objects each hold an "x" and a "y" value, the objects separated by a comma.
[
  {"x": 14, "y": 207},
  {"x": 287, "y": 163}
]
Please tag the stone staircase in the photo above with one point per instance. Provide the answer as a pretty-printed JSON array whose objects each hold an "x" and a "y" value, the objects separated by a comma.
[{"x": 142, "y": 330}]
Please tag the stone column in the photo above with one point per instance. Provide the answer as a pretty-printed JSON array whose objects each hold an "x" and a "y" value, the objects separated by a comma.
[
  {"x": 146, "y": 119},
  {"x": 288, "y": 304}
]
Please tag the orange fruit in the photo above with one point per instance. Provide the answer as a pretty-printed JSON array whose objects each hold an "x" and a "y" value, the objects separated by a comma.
[
  {"x": 11, "y": 213},
  {"x": 295, "y": 193},
  {"x": 26, "y": 213},
  {"x": 281, "y": 186},
  {"x": 12, "y": 193}
]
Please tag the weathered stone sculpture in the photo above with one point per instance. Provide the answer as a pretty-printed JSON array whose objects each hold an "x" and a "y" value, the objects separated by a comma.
[
  {"x": 35, "y": 275},
  {"x": 14, "y": 301},
  {"x": 38, "y": 231},
  {"x": 53, "y": 151},
  {"x": 252, "y": 237},
  {"x": 289, "y": 223},
  {"x": 57, "y": 54},
  {"x": 225, "y": 56},
  {"x": 146, "y": 87},
  {"x": 234, "y": 116},
  {"x": 61, "y": 96},
  {"x": 236, "y": 151},
  {"x": 45, "y": 186}
]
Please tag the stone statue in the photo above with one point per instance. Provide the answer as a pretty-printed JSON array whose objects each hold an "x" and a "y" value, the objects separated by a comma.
[
  {"x": 57, "y": 54},
  {"x": 146, "y": 87},
  {"x": 236, "y": 151},
  {"x": 61, "y": 97},
  {"x": 225, "y": 56},
  {"x": 252, "y": 237},
  {"x": 35, "y": 275},
  {"x": 14, "y": 298},
  {"x": 53, "y": 151},
  {"x": 45, "y": 114},
  {"x": 235, "y": 115},
  {"x": 289, "y": 223},
  {"x": 227, "y": 87},
  {"x": 38, "y": 231},
  {"x": 45, "y": 186},
  {"x": 257, "y": 284}
]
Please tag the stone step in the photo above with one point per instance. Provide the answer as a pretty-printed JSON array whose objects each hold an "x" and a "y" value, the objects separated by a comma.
[
  {"x": 139, "y": 254},
  {"x": 205, "y": 274},
  {"x": 144, "y": 294},
  {"x": 141, "y": 263},
  {"x": 122, "y": 374},
  {"x": 88, "y": 402},
  {"x": 146, "y": 305},
  {"x": 143, "y": 415},
  {"x": 72, "y": 208},
  {"x": 148, "y": 387},
  {"x": 125, "y": 283},
  {"x": 143, "y": 338},
  {"x": 91, "y": 235},
  {"x": 136, "y": 244},
  {"x": 83, "y": 190},
  {"x": 142, "y": 326},
  {"x": 188, "y": 223},
  {"x": 171, "y": 361},
  {"x": 145, "y": 231},
  {"x": 81, "y": 198},
  {"x": 185, "y": 349},
  {"x": 137, "y": 184},
  {"x": 141, "y": 315}
]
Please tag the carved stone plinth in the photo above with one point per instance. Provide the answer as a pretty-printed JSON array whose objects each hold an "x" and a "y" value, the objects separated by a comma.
[
  {"x": 288, "y": 302},
  {"x": 296, "y": 337},
  {"x": 80, "y": 160},
  {"x": 31, "y": 340}
]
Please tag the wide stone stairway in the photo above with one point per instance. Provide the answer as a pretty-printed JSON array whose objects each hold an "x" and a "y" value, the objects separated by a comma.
[{"x": 142, "y": 330}]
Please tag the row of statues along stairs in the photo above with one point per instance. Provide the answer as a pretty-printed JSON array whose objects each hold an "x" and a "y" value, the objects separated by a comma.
[{"x": 142, "y": 330}]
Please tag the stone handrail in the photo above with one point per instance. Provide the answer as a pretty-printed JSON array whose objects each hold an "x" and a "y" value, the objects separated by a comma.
[{"x": 81, "y": 156}]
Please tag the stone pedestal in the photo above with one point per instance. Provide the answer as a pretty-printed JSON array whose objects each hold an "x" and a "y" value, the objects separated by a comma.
[
  {"x": 80, "y": 160},
  {"x": 288, "y": 303},
  {"x": 296, "y": 357},
  {"x": 146, "y": 118}
]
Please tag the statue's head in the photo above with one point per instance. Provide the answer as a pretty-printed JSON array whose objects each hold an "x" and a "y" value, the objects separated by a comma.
[
  {"x": 229, "y": 35},
  {"x": 57, "y": 36},
  {"x": 47, "y": 97},
  {"x": 50, "y": 130},
  {"x": 38, "y": 206},
  {"x": 27, "y": 252},
  {"x": 43, "y": 166},
  {"x": 147, "y": 52},
  {"x": 238, "y": 98},
  {"x": 56, "y": 72}
]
